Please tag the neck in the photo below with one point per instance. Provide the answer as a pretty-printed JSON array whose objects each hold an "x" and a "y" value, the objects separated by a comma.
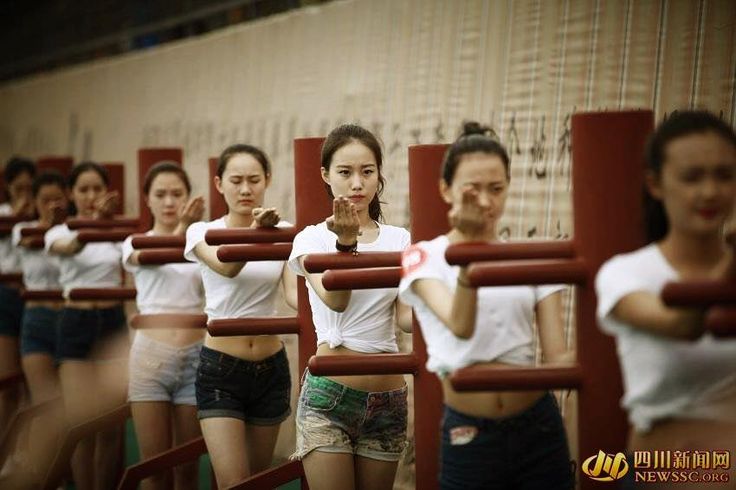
[
  {"x": 685, "y": 248},
  {"x": 233, "y": 220},
  {"x": 456, "y": 236},
  {"x": 162, "y": 229},
  {"x": 366, "y": 222}
]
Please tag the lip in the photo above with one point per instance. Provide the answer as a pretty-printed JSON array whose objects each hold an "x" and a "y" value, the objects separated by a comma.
[
  {"x": 245, "y": 201},
  {"x": 357, "y": 197},
  {"x": 709, "y": 213}
]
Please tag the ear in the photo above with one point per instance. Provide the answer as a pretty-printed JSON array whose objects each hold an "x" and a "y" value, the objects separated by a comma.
[
  {"x": 268, "y": 180},
  {"x": 147, "y": 201},
  {"x": 325, "y": 175},
  {"x": 653, "y": 184},
  {"x": 218, "y": 185},
  {"x": 445, "y": 192}
]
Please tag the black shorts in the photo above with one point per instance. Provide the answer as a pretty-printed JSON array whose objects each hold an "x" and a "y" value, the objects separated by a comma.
[
  {"x": 257, "y": 392},
  {"x": 80, "y": 330}
]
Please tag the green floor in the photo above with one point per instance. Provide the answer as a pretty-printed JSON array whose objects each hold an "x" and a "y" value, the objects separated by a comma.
[{"x": 131, "y": 457}]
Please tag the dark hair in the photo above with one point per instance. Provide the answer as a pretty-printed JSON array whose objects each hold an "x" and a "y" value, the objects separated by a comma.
[
  {"x": 80, "y": 168},
  {"x": 474, "y": 138},
  {"x": 236, "y": 149},
  {"x": 677, "y": 125},
  {"x": 17, "y": 166},
  {"x": 48, "y": 177},
  {"x": 165, "y": 167},
  {"x": 348, "y": 133}
]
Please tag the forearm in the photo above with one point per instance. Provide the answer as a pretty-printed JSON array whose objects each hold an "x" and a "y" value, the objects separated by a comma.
[
  {"x": 463, "y": 313},
  {"x": 67, "y": 247}
]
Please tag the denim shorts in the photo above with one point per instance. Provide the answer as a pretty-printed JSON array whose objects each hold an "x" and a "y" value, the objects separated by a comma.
[
  {"x": 525, "y": 451},
  {"x": 335, "y": 418},
  {"x": 39, "y": 331},
  {"x": 11, "y": 311},
  {"x": 256, "y": 392},
  {"x": 160, "y": 372},
  {"x": 81, "y": 330}
]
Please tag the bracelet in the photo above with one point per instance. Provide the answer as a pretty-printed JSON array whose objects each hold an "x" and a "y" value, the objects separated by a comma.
[
  {"x": 464, "y": 284},
  {"x": 346, "y": 248}
]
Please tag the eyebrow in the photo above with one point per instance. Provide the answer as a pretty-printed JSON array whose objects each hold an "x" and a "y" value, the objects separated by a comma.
[{"x": 362, "y": 165}]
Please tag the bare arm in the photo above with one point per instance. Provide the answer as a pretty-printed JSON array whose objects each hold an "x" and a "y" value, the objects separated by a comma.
[
  {"x": 459, "y": 314},
  {"x": 646, "y": 311},
  {"x": 66, "y": 246},
  {"x": 552, "y": 330},
  {"x": 288, "y": 283},
  {"x": 404, "y": 316},
  {"x": 334, "y": 300}
]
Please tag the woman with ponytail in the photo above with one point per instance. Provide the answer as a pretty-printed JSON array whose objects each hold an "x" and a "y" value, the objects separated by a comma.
[
  {"x": 679, "y": 381},
  {"x": 351, "y": 430}
]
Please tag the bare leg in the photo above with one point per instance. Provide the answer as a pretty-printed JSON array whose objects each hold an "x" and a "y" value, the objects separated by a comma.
[
  {"x": 78, "y": 379},
  {"x": 372, "y": 474},
  {"x": 260, "y": 441},
  {"x": 186, "y": 428},
  {"x": 341, "y": 473},
  {"x": 152, "y": 422},
  {"x": 225, "y": 438},
  {"x": 112, "y": 387}
]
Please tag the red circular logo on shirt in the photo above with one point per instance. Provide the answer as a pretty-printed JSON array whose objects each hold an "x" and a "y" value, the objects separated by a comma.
[{"x": 411, "y": 259}]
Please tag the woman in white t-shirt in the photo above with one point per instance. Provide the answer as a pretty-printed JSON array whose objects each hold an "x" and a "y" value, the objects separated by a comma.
[
  {"x": 39, "y": 335},
  {"x": 18, "y": 176},
  {"x": 499, "y": 439},
  {"x": 243, "y": 384},
  {"x": 163, "y": 361},
  {"x": 351, "y": 430},
  {"x": 679, "y": 383},
  {"x": 93, "y": 344}
]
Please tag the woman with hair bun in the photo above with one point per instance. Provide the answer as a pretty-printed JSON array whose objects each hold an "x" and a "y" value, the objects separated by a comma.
[{"x": 502, "y": 439}]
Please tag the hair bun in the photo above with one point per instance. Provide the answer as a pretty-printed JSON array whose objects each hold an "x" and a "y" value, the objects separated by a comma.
[{"x": 474, "y": 127}]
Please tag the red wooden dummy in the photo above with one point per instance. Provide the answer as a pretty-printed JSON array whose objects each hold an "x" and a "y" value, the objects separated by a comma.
[
  {"x": 218, "y": 206},
  {"x": 63, "y": 165}
]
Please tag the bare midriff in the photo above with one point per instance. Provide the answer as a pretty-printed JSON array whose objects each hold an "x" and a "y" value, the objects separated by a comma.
[
  {"x": 178, "y": 337},
  {"x": 489, "y": 404},
  {"x": 247, "y": 347},
  {"x": 91, "y": 305},
  {"x": 384, "y": 382},
  {"x": 52, "y": 305}
]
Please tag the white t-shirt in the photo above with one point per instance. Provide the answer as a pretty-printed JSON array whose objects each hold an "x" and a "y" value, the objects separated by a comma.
[
  {"x": 40, "y": 270},
  {"x": 504, "y": 326},
  {"x": 663, "y": 377},
  {"x": 9, "y": 256},
  {"x": 367, "y": 324},
  {"x": 169, "y": 288},
  {"x": 252, "y": 292},
  {"x": 97, "y": 265}
]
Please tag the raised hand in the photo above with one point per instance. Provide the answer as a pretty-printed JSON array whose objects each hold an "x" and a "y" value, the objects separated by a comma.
[
  {"x": 106, "y": 205},
  {"x": 192, "y": 211},
  {"x": 58, "y": 214},
  {"x": 344, "y": 221},
  {"x": 23, "y": 207},
  {"x": 469, "y": 217},
  {"x": 265, "y": 217}
]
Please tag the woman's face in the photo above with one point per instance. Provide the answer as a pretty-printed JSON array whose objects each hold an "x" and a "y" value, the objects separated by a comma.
[
  {"x": 88, "y": 188},
  {"x": 697, "y": 183},
  {"x": 49, "y": 198},
  {"x": 486, "y": 174},
  {"x": 354, "y": 174},
  {"x": 166, "y": 196},
  {"x": 243, "y": 184},
  {"x": 21, "y": 188}
]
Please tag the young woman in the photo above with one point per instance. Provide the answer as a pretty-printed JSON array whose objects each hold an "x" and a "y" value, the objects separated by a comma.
[
  {"x": 163, "y": 361},
  {"x": 18, "y": 175},
  {"x": 351, "y": 430},
  {"x": 489, "y": 439},
  {"x": 92, "y": 345},
  {"x": 243, "y": 383},
  {"x": 41, "y": 272},
  {"x": 679, "y": 382}
]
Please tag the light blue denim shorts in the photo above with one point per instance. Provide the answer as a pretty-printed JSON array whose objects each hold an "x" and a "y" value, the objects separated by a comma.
[{"x": 160, "y": 372}]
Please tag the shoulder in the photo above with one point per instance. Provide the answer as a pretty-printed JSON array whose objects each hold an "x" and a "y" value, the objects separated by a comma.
[
  {"x": 424, "y": 253},
  {"x": 638, "y": 262},
  {"x": 396, "y": 233}
]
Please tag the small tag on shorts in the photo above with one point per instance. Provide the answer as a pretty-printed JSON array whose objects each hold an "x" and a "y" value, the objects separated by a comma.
[{"x": 462, "y": 435}]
